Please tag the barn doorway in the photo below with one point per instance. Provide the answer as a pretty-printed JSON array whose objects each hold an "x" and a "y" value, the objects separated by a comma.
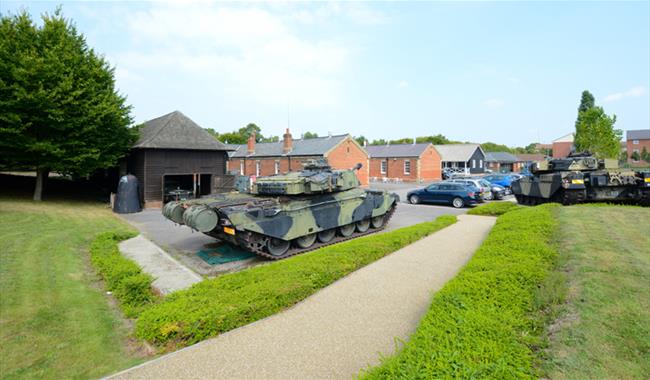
[{"x": 186, "y": 186}]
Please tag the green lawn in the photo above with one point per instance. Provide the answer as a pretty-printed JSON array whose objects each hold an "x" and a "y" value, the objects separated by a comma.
[
  {"x": 55, "y": 321},
  {"x": 604, "y": 328}
]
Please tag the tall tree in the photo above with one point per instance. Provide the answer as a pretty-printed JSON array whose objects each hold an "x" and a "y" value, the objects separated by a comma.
[
  {"x": 309, "y": 135},
  {"x": 59, "y": 109},
  {"x": 596, "y": 133},
  {"x": 587, "y": 101}
]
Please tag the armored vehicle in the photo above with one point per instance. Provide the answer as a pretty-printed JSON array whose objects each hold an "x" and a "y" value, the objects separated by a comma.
[
  {"x": 284, "y": 215},
  {"x": 582, "y": 178}
]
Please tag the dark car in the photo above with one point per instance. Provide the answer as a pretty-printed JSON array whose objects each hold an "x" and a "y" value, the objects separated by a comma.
[{"x": 455, "y": 194}]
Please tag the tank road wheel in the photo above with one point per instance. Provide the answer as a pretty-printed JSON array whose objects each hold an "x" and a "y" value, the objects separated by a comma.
[
  {"x": 277, "y": 247},
  {"x": 414, "y": 199},
  {"x": 306, "y": 241},
  {"x": 346, "y": 230},
  {"x": 458, "y": 202},
  {"x": 327, "y": 235},
  {"x": 377, "y": 221},
  {"x": 363, "y": 225}
]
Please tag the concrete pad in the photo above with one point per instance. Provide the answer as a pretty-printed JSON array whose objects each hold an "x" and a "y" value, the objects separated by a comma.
[
  {"x": 169, "y": 274},
  {"x": 341, "y": 329}
]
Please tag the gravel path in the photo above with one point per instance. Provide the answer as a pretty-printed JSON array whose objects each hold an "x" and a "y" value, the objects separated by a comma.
[{"x": 341, "y": 329}]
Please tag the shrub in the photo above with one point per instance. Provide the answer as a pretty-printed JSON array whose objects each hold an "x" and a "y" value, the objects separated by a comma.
[
  {"x": 122, "y": 276},
  {"x": 494, "y": 208},
  {"x": 232, "y": 300},
  {"x": 485, "y": 322}
]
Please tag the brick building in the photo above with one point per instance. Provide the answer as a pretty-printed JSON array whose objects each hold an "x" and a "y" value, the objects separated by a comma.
[
  {"x": 503, "y": 162},
  {"x": 468, "y": 157},
  {"x": 563, "y": 146},
  {"x": 636, "y": 141},
  {"x": 406, "y": 162},
  {"x": 262, "y": 159}
]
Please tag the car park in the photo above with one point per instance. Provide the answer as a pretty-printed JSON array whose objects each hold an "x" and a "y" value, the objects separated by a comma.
[
  {"x": 502, "y": 180},
  {"x": 483, "y": 186},
  {"x": 455, "y": 194}
]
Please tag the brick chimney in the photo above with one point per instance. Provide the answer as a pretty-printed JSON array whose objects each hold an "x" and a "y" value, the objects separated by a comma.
[
  {"x": 251, "y": 143},
  {"x": 287, "y": 143}
]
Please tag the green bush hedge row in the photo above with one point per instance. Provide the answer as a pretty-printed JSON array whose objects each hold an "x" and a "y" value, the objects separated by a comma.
[
  {"x": 494, "y": 208},
  {"x": 485, "y": 323},
  {"x": 232, "y": 300},
  {"x": 123, "y": 277}
]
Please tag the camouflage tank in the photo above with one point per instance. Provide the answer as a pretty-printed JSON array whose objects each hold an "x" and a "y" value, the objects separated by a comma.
[
  {"x": 284, "y": 215},
  {"x": 582, "y": 178}
]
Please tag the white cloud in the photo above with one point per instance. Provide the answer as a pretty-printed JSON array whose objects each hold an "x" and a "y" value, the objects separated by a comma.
[
  {"x": 251, "y": 51},
  {"x": 402, "y": 84},
  {"x": 631, "y": 93},
  {"x": 494, "y": 103}
]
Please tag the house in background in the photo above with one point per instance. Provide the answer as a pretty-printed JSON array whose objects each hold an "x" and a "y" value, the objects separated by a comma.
[
  {"x": 563, "y": 146},
  {"x": 636, "y": 141},
  {"x": 405, "y": 162},
  {"x": 469, "y": 157},
  {"x": 173, "y": 152},
  {"x": 503, "y": 162},
  {"x": 262, "y": 159}
]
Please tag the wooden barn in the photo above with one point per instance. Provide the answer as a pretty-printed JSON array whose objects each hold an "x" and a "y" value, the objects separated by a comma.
[{"x": 174, "y": 153}]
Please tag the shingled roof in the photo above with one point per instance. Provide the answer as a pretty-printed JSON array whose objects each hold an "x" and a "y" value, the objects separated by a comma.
[
  {"x": 502, "y": 157},
  {"x": 638, "y": 134},
  {"x": 456, "y": 152},
  {"x": 301, "y": 147},
  {"x": 176, "y": 131},
  {"x": 397, "y": 150}
]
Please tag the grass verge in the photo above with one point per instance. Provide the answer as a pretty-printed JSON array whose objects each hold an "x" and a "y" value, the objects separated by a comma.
[
  {"x": 55, "y": 321},
  {"x": 485, "y": 322},
  {"x": 603, "y": 329},
  {"x": 494, "y": 208},
  {"x": 123, "y": 277},
  {"x": 229, "y": 301}
]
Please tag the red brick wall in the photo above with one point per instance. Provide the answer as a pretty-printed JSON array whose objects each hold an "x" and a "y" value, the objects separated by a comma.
[
  {"x": 631, "y": 147},
  {"x": 429, "y": 165},
  {"x": 347, "y": 154},
  {"x": 561, "y": 149},
  {"x": 395, "y": 168}
]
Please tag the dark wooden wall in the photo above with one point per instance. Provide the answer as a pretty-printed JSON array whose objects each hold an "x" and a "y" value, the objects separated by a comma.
[
  {"x": 150, "y": 165},
  {"x": 478, "y": 156}
]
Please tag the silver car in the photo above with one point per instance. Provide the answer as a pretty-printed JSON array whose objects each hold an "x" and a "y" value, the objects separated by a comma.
[{"x": 486, "y": 190}]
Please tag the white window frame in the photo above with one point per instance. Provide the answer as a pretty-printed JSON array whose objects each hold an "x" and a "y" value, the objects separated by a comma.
[
  {"x": 407, "y": 163},
  {"x": 635, "y": 142},
  {"x": 383, "y": 166},
  {"x": 473, "y": 164},
  {"x": 257, "y": 168},
  {"x": 277, "y": 167},
  {"x": 480, "y": 164},
  {"x": 241, "y": 167}
]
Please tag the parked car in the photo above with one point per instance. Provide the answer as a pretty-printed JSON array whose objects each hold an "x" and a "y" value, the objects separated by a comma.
[
  {"x": 455, "y": 194},
  {"x": 500, "y": 179},
  {"x": 483, "y": 186},
  {"x": 448, "y": 173},
  {"x": 498, "y": 192}
]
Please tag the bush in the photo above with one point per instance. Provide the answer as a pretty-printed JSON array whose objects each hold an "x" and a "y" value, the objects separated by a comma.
[
  {"x": 122, "y": 276},
  {"x": 232, "y": 300},
  {"x": 485, "y": 323},
  {"x": 494, "y": 208}
]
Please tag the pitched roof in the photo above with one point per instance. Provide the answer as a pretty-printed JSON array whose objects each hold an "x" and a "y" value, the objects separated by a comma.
[
  {"x": 503, "y": 157},
  {"x": 566, "y": 138},
  {"x": 456, "y": 152},
  {"x": 398, "y": 150},
  {"x": 526, "y": 157},
  {"x": 301, "y": 147},
  {"x": 638, "y": 134},
  {"x": 176, "y": 131}
]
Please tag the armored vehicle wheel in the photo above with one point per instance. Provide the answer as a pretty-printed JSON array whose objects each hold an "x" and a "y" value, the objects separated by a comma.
[
  {"x": 363, "y": 225},
  {"x": 346, "y": 230},
  {"x": 414, "y": 199},
  {"x": 458, "y": 202},
  {"x": 277, "y": 247},
  {"x": 306, "y": 241},
  {"x": 326, "y": 236},
  {"x": 377, "y": 221}
]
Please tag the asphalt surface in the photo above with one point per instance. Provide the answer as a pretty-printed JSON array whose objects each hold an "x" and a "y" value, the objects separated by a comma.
[
  {"x": 182, "y": 243},
  {"x": 340, "y": 330}
]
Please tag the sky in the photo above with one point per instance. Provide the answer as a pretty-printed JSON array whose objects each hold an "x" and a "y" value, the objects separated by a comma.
[{"x": 506, "y": 72}]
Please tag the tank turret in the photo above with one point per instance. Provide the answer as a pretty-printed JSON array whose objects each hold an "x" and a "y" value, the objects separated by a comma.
[{"x": 316, "y": 177}]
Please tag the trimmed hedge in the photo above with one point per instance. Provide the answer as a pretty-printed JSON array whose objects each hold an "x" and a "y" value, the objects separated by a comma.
[
  {"x": 494, "y": 208},
  {"x": 123, "y": 277},
  {"x": 214, "y": 306},
  {"x": 486, "y": 323}
]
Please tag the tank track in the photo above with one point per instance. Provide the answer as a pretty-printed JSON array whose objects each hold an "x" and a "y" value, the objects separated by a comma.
[{"x": 259, "y": 250}]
